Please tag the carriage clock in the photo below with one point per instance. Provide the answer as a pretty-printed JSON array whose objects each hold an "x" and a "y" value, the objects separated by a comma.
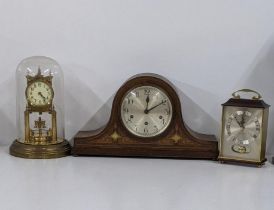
[
  {"x": 244, "y": 129},
  {"x": 146, "y": 121},
  {"x": 40, "y": 121}
]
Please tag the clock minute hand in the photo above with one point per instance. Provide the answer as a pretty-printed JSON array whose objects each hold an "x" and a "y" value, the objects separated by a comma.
[{"x": 147, "y": 111}]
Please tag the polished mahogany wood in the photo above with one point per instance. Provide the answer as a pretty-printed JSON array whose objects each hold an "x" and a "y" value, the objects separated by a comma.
[{"x": 177, "y": 141}]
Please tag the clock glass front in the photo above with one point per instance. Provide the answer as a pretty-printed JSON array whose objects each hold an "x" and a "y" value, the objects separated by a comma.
[
  {"x": 40, "y": 101},
  {"x": 146, "y": 111},
  {"x": 242, "y": 132}
]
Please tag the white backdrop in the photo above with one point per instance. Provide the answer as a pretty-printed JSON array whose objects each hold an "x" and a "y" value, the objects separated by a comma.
[{"x": 207, "y": 48}]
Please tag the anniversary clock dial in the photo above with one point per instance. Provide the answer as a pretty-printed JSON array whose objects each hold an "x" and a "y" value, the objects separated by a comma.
[
  {"x": 146, "y": 111},
  {"x": 146, "y": 121},
  {"x": 39, "y": 93}
]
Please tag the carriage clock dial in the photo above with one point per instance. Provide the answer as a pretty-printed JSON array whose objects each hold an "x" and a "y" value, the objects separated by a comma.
[
  {"x": 242, "y": 128},
  {"x": 39, "y": 94},
  {"x": 146, "y": 111}
]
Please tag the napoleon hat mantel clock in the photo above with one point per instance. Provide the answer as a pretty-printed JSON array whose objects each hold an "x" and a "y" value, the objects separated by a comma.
[
  {"x": 40, "y": 122},
  {"x": 146, "y": 121},
  {"x": 244, "y": 129}
]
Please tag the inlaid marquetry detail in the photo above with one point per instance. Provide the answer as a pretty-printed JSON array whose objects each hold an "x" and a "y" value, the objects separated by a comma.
[
  {"x": 115, "y": 136},
  {"x": 175, "y": 138}
]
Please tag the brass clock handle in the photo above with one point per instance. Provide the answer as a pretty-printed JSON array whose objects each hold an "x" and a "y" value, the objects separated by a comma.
[{"x": 237, "y": 96}]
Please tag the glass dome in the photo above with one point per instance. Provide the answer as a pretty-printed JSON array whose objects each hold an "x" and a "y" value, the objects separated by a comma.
[{"x": 40, "y": 104}]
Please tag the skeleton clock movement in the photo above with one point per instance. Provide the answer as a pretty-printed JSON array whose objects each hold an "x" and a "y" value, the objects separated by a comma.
[
  {"x": 146, "y": 121},
  {"x": 39, "y": 110}
]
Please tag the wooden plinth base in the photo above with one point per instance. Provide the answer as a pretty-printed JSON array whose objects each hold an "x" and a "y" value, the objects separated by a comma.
[{"x": 22, "y": 150}]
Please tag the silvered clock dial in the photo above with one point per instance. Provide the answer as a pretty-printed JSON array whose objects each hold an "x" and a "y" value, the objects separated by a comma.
[
  {"x": 243, "y": 128},
  {"x": 146, "y": 111}
]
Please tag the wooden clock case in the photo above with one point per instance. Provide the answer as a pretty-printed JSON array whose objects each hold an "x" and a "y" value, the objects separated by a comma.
[{"x": 177, "y": 141}]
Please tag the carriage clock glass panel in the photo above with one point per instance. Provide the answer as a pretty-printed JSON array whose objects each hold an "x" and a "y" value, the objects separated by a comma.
[
  {"x": 40, "y": 109},
  {"x": 244, "y": 129},
  {"x": 242, "y": 132},
  {"x": 146, "y": 111}
]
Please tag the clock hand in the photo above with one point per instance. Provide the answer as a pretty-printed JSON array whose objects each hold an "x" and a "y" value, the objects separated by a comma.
[
  {"x": 237, "y": 121},
  {"x": 147, "y": 111},
  {"x": 243, "y": 121},
  {"x": 147, "y": 101},
  {"x": 40, "y": 94}
]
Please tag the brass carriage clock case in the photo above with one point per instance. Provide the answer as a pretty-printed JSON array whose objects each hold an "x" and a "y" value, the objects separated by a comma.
[
  {"x": 40, "y": 139},
  {"x": 244, "y": 129}
]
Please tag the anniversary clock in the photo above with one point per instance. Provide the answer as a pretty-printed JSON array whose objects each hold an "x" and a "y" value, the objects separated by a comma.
[
  {"x": 40, "y": 122},
  {"x": 146, "y": 121},
  {"x": 244, "y": 129}
]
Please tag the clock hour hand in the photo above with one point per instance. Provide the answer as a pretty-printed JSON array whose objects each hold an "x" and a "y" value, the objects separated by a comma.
[
  {"x": 237, "y": 121},
  {"x": 147, "y": 101},
  {"x": 147, "y": 111},
  {"x": 241, "y": 124},
  {"x": 40, "y": 94},
  {"x": 243, "y": 121}
]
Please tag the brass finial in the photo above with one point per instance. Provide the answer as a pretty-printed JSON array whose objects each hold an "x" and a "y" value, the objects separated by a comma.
[{"x": 39, "y": 71}]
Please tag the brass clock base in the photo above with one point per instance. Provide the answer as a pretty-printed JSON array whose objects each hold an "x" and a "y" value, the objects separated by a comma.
[
  {"x": 242, "y": 162},
  {"x": 19, "y": 149}
]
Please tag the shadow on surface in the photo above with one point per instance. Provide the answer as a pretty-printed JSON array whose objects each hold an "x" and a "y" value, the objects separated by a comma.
[
  {"x": 260, "y": 77},
  {"x": 101, "y": 117},
  {"x": 7, "y": 112},
  {"x": 80, "y": 103},
  {"x": 198, "y": 116}
]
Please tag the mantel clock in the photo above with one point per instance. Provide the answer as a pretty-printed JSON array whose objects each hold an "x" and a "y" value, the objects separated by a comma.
[
  {"x": 40, "y": 131},
  {"x": 146, "y": 121},
  {"x": 244, "y": 129}
]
